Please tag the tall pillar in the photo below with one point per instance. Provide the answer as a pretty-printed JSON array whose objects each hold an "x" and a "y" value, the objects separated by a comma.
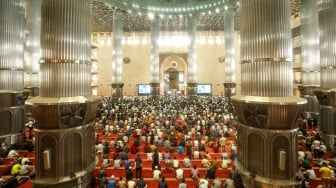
[
  {"x": 230, "y": 55},
  {"x": 32, "y": 46},
  {"x": 267, "y": 110},
  {"x": 326, "y": 94},
  {"x": 310, "y": 56},
  {"x": 191, "y": 81},
  {"x": 65, "y": 110},
  {"x": 155, "y": 63},
  {"x": 117, "y": 59},
  {"x": 12, "y": 93}
]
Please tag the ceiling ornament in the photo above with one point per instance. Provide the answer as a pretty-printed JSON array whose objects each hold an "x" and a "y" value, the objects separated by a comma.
[{"x": 173, "y": 14}]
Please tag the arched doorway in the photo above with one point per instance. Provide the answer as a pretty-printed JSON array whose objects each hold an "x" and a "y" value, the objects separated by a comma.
[
  {"x": 173, "y": 75},
  {"x": 171, "y": 79}
]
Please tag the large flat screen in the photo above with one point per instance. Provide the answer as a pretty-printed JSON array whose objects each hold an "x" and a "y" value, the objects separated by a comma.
[
  {"x": 143, "y": 89},
  {"x": 204, "y": 89}
]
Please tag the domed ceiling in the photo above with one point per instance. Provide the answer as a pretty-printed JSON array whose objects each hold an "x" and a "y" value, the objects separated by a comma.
[{"x": 173, "y": 14}]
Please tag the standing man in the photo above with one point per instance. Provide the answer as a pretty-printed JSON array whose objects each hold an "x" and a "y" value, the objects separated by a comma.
[{"x": 138, "y": 166}]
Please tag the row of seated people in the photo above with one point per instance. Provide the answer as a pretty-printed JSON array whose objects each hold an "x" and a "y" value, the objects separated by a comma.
[
  {"x": 17, "y": 168},
  {"x": 163, "y": 182},
  {"x": 180, "y": 173}
]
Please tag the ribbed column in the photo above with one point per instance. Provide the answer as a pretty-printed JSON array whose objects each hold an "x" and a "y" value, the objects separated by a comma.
[
  {"x": 191, "y": 81},
  {"x": 117, "y": 59},
  {"x": 12, "y": 44},
  {"x": 267, "y": 110},
  {"x": 65, "y": 109},
  {"x": 230, "y": 55},
  {"x": 326, "y": 94},
  {"x": 155, "y": 63},
  {"x": 310, "y": 55},
  {"x": 32, "y": 46},
  {"x": 12, "y": 94}
]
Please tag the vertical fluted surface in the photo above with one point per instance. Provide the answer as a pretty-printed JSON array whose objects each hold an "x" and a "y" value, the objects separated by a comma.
[
  {"x": 155, "y": 65},
  {"x": 12, "y": 25},
  {"x": 230, "y": 61},
  {"x": 117, "y": 47},
  {"x": 310, "y": 49},
  {"x": 192, "y": 50},
  {"x": 326, "y": 93},
  {"x": 32, "y": 45},
  {"x": 266, "y": 48},
  {"x": 267, "y": 110},
  {"x": 66, "y": 48},
  {"x": 327, "y": 27}
]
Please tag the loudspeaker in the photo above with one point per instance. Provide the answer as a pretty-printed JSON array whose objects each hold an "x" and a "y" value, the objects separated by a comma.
[
  {"x": 46, "y": 159},
  {"x": 282, "y": 160}
]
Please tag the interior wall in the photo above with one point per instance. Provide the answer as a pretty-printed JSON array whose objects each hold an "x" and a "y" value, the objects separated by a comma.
[{"x": 137, "y": 71}]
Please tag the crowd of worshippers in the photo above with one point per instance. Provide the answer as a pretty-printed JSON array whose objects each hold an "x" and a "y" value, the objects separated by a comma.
[
  {"x": 313, "y": 152},
  {"x": 156, "y": 123},
  {"x": 19, "y": 167}
]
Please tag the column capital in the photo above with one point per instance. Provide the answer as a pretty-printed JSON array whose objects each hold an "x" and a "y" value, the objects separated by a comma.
[
  {"x": 229, "y": 85},
  {"x": 326, "y": 97},
  {"x": 191, "y": 84},
  {"x": 117, "y": 85},
  {"x": 307, "y": 90}
]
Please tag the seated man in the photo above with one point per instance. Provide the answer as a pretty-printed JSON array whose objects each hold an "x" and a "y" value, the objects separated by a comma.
[
  {"x": 127, "y": 163},
  {"x": 179, "y": 173},
  {"x": 225, "y": 163},
  {"x": 117, "y": 163},
  {"x": 106, "y": 162},
  {"x": 194, "y": 173},
  {"x": 25, "y": 168},
  {"x": 229, "y": 183},
  {"x": 203, "y": 183},
  {"x": 180, "y": 149},
  {"x": 217, "y": 183},
  {"x": 176, "y": 163},
  {"x": 205, "y": 163},
  {"x": 149, "y": 156},
  {"x": 187, "y": 162},
  {"x": 156, "y": 173},
  {"x": 196, "y": 154},
  {"x": 225, "y": 154},
  {"x": 215, "y": 148}
]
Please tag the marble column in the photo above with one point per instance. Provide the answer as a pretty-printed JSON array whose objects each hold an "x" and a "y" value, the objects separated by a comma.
[
  {"x": 155, "y": 62},
  {"x": 326, "y": 94},
  {"x": 230, "y": 55},
  {"x": 192, "y": 62},
  {"x": 32, "y": 46},
  {"x": 12, "y": 93},
  {"x": 65, "y": 110},
  {"x": 117, "y": 59},
  {"x": 310, "y": 56},
  {"x": 267, "y": 110}
]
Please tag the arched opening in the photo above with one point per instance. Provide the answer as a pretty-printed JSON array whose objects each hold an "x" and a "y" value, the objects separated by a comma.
[{"x": 173, "y": 75}]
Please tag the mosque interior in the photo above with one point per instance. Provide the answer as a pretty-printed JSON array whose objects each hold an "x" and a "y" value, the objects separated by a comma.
[{"x": 275, "y": 62}]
